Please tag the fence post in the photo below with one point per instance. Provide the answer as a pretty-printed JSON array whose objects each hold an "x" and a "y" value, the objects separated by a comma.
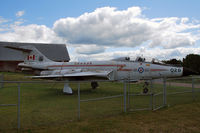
[
  {"x": 124, "y": 96},
  {"x": 164, "y": 92},
  {"x": 128, "y": 106},
  {"x": 193, "y": 91},
  {"x": 2, "y": 79},
  {"x": 152, "y": 95},
  {"x": 152, "y": 101},
  {"x": 78, "y": 101},
  {"x": 18, "y": 108}
]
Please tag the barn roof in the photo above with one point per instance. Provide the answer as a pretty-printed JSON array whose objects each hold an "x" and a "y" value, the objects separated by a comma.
[{"x": 55, "y": 52}]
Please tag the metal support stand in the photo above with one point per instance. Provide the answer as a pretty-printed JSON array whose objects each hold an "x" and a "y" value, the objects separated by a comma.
[
  {"x": 124, "y": 97},
  {"x": 18, "y": 108},
  {"x": 164, "y": 92},
  {"x": 2, "y": 79},
  {"x": 78, "y": 101}
]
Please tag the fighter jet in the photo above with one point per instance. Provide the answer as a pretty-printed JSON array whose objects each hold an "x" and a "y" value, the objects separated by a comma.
[{"x": 121, "y": 69}]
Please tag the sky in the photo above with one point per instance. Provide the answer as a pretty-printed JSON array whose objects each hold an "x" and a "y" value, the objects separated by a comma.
[{"x": 106, "y": 29}]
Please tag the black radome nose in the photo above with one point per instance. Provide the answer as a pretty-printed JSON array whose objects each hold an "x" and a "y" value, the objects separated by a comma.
[{"x": 188, "y": 71}]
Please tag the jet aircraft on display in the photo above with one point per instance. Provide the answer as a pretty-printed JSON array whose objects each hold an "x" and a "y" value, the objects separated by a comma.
[{"x": 121, "y": 69}]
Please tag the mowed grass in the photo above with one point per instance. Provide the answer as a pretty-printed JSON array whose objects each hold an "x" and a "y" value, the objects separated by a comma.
[
  {"x": 44, "y": 108},
  {"x": 186, "y": 79}
]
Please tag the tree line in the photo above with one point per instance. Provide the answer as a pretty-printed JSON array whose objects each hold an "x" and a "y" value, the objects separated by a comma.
[{"x": 191, "y": 61}]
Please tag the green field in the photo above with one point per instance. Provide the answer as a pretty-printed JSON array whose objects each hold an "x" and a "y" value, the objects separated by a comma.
[{"x": 44, "y": 108}]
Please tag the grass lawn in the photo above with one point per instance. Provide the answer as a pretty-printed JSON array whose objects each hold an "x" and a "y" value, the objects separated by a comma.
[
  {"x": 44, "y": 108},
  {"x": 186, "y": 79}
]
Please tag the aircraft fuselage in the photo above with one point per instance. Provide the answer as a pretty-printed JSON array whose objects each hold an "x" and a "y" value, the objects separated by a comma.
[{"x": 121, "y": 70}]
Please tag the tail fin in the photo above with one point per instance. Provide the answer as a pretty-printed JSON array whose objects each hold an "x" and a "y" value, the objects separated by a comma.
[
  {"x": 34, "y": 55},
  {"x": 31, "y": 54}
]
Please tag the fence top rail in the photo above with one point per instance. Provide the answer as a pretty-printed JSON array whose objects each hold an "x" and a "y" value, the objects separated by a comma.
[
  {"x": 66, "y": 81},
  {"x": 1, "y": 105},
  {"x": 141, "y": 94},
  {"x": 53, "y": 81},
  {"x": 84, "y": 81},
  {"x": 101, "y": 98},
  {"x": 187, "y": 77}
]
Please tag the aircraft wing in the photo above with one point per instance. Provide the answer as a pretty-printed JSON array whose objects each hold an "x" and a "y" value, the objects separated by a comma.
[{"x": 79, "y": 75}]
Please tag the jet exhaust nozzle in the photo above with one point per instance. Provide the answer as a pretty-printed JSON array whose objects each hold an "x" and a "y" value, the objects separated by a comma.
[{"x": 188, "y": 71}]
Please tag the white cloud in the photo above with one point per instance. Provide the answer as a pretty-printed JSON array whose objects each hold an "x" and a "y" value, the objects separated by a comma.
[
  {"x": 108, "y": 26},
  {"x": 3, "y": 26},
  {"x": 89, "y": 49},
  {"x": 20, "y": 13},
  {"x": 31, "y": 33},
  {"x": 161, "y": 54},
  {"x": 16, "y": 31},
  {"x": 3, "y": 20}
]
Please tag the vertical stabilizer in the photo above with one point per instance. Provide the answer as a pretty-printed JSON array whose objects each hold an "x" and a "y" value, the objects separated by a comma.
[{"x": 34, "y": 55}]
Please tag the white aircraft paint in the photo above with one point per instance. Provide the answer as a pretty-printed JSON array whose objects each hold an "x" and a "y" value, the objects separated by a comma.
[{"x": 115, "y": 70}]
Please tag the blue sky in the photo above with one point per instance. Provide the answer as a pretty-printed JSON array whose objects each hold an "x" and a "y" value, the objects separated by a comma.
[
  {"x": 51, "y": 10},
  {"x": 48, "y": 12}
]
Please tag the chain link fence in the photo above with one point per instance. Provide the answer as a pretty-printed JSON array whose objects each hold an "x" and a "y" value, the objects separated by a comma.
[{"x": 33, "y": 104}]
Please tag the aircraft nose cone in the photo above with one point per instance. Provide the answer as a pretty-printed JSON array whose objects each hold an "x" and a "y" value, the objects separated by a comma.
[{"x": 188, "y": 71}]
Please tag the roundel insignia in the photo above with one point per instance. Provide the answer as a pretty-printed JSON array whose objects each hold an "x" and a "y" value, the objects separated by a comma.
[{"x": 140, "y": 69}]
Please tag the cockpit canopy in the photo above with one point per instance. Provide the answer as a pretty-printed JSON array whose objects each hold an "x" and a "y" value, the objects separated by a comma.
[
  {"x": 122, "y": 59},
  {"x": 142, "y": 59},
  {"x": 138, "y": 59}
]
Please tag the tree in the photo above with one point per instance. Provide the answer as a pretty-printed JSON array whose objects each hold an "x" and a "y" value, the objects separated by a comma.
[
  {"x": 173, "y": 61},
  {"x": 192, "y": 61}
]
